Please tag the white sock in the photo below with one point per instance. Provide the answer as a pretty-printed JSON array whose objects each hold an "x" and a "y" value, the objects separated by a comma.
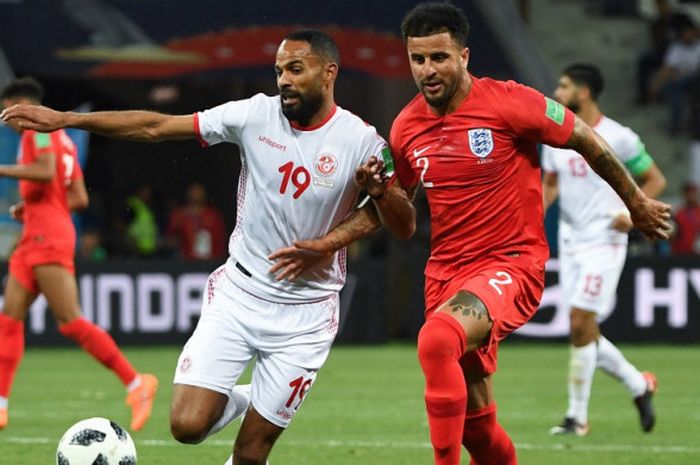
[
  {"x": 611, "y": 361},
  {"x": 230, "y": 461},
  {"x": 581, "y": 368},
  {"x": 238, "y": 402},
  {"x": 4, "y": 401},
  {"x": 134, "y": 384}
]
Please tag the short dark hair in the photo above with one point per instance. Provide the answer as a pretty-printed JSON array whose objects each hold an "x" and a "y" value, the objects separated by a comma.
[
  {"x": 587, "y": 75},
  {"x": 320, "y": 42},
  {"x": 26, "y": 87},
  {"x": 431, "y": 18}
]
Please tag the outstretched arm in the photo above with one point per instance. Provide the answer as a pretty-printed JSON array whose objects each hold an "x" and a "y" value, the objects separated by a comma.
[
  {"x": 143, "y": 126},
  {"x": 649, "y": 216}
]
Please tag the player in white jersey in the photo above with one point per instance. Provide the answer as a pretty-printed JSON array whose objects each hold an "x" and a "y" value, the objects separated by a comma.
[
  {"x": 275, "y": 300},
  {"x": 593, "y": 227}
]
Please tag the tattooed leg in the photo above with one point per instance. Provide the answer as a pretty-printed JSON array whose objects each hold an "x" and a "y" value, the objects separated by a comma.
[{"x": 472, "y": 314}]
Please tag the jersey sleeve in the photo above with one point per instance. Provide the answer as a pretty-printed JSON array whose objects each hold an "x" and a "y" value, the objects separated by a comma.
[
  {"x": 378, "y": 147},
  {"x": 633, "y": 153},
  {"x": 43, "y": 143},
  {"x": 402, "y": 166},
  {"x": 222, "y": 123},
  {"x": 548, "y": 159},
  {"x": 535, "y": 117}
]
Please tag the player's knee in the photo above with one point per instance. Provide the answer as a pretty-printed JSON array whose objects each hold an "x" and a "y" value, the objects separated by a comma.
[
  {"x": 583, "y": 327},
  {"x": 440, "y": 338},
  {"x": 188, "y": 429}
]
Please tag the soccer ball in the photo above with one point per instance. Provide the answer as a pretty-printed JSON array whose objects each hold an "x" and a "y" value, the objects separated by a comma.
[{"x": 96, "y": 441}]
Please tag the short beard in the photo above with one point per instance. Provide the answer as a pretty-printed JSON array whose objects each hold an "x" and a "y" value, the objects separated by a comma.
[
  {"x": 307, "y": 107},
  {"x": 438, "y": 102},
  {"x": 442, "y": 101}
]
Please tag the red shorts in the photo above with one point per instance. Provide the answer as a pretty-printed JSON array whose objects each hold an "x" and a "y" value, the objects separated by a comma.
[
  {"x": 509, "y": 286},
  {"x": 27, "y": 256}
]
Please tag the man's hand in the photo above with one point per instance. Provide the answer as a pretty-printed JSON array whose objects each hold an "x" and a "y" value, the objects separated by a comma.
[
  {"x": 372, "y": 177},
  {"x": 34, "y": 117},
  {"x": 652, "y": 218},
  {"x": 17, "y": 211},
  {"x": 292, "y": 261}
]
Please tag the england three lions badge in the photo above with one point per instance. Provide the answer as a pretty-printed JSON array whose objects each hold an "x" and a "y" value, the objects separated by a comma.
[{"x": 480, "y": 142}]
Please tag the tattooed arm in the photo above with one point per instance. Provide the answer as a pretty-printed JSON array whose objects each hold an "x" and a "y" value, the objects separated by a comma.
[{"x": 649, "y": 216}]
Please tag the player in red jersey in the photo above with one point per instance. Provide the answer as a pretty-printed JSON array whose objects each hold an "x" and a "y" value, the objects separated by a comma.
[
  {"x": 471, "y": 144},
  {"x": 51, "y": 185}
]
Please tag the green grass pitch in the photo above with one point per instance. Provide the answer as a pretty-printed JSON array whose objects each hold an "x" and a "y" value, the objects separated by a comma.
[{"x": 367, "y": 408}]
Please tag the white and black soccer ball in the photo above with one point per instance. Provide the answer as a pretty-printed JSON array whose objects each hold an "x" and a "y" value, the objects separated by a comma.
[{"x": 96, "y": 441}]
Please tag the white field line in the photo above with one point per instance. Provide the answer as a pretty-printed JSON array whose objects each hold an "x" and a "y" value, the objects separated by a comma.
[{"x": 627, "y": 448}]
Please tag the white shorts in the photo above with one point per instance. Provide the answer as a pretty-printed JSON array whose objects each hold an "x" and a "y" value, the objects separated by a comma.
[
  {"x": 589, "y": 277},
  {"x": 289, "y": 342}
]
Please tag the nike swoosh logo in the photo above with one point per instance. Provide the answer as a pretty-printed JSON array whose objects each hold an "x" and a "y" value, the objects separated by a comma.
[{"x": 417, "y": 153}]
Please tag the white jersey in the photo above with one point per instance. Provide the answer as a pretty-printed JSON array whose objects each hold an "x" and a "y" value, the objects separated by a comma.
[
  {"x": 587, "y": 204},
  {"x": 294, "y": 184}
]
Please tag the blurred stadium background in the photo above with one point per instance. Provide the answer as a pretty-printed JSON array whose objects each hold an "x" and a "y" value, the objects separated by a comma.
[{"x": 178, "y": 56}]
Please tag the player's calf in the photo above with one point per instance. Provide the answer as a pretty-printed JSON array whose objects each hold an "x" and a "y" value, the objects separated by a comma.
[
  {"x": 255, "y": 439},
  {"x": 486, "y": 440}
]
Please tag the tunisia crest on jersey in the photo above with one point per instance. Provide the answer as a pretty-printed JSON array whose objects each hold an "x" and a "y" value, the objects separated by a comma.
[
  {"x": 480, "y": 142},
  {"x": 326, "y": 165}
]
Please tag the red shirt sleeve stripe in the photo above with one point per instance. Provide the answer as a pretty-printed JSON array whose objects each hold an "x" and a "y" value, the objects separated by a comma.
[{"x": 197, "y": 131}]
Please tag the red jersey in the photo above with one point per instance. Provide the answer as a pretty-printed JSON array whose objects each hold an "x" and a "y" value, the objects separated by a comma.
[
  {"x": 687, "y": 238},
  {"x": 46, "y": 215},
  {"x": 201, "y": 235},
  {"x": 480, "y": 170}
]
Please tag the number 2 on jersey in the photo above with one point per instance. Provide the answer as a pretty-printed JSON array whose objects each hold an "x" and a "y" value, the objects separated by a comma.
[
  {"x": 423, "y": 162},
  {"x": 299, "y": 176},
  {"x": 504, "y": 279}
]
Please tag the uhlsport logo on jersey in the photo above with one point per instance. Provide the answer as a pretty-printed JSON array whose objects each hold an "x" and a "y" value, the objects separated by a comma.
[
  {"x": 326, "y": 165},
  {"x": 480, "y": 142}
]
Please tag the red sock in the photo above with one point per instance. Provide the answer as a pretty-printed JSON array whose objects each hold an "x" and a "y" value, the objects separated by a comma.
[
  {"x": 100, "y": 345},
  {"x": 11, "y": 351},
  {"x": 486, "y": 440},
  {"x": 441, "y": 343}
]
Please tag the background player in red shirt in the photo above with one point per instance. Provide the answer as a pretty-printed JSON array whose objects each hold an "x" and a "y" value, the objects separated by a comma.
[
  {"x": 196, "y": 228},
  {"x": 51, "y": 185}
]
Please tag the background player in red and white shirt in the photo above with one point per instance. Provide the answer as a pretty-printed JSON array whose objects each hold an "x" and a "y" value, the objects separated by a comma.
[
  {"x": 51, "y": 185},
  {"x": 593, "y": 227},
  {"x": 275, "y": 300},
  {"x": 471, "y": 144}
]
